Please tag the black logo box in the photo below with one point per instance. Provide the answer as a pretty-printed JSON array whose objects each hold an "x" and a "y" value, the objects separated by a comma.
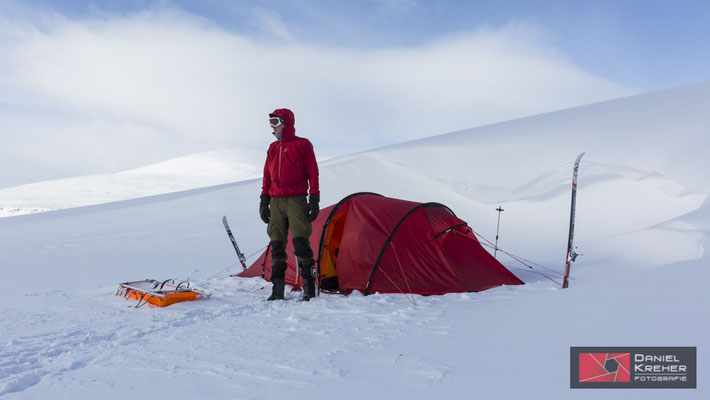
[{"x": 684, "y": 356}]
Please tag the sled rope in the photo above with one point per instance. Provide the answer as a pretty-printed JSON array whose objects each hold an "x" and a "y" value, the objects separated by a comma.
[
  {"x": 252, "y": 289},
  {"x": 143, "y": 299},
  {"x": 126, "y": 293},
  {"x": 220, "y": 272},
  {"x": 231, "y": 266}
]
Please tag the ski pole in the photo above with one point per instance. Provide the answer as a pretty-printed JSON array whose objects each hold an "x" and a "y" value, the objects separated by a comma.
[{"x": 495, "y": 251}]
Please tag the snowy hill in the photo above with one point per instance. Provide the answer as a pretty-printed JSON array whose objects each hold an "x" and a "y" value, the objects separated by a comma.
[
  {"x": 643, "y": 225},
  {"x": 183, "y": 173},
  {"x": 665, "y": 131}
]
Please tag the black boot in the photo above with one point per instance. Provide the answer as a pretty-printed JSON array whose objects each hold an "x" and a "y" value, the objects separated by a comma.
[
  {"x": 277, "y": 291},
  {"x": 308, "y": 272},
  {"x": 309, "y": 290},
  {"x": 278, "y": 275}
]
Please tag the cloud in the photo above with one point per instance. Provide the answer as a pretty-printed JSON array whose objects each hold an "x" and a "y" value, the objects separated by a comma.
[
  {"x": 271, "y": 25},
  {"x": 116, "y": 92}
]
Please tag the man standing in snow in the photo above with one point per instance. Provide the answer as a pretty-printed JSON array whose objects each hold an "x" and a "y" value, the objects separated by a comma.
[{"x": 289, "y": 172}]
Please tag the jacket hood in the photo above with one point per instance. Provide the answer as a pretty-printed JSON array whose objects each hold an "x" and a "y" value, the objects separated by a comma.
[{"x": 286, "y": 115}]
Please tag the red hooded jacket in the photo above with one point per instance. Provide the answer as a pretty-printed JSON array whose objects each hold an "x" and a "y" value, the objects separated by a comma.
[{"x": 290, "y": 167}]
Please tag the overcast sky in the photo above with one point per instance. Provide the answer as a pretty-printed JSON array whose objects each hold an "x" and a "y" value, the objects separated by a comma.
[{"x": 102, "y": 86}]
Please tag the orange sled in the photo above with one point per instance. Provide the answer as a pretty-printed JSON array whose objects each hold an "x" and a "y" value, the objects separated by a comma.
[{"x": 160, "y": 294}]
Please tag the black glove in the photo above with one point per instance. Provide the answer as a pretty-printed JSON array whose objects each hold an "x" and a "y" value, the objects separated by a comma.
[
  {"x": 313, "y": 208},
  {"x": 264, "y": 212}
]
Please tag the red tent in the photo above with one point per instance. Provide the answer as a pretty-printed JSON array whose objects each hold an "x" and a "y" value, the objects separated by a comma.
[{"x": 372, "y": 243}]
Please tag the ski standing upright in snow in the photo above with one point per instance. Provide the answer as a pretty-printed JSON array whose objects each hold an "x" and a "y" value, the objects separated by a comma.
[
  {"x": 242, "y": 259},
  {"x": 571, "y": 255}
]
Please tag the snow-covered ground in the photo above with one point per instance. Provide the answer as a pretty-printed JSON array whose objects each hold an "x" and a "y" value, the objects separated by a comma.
[{"x": 643, "y": 225}]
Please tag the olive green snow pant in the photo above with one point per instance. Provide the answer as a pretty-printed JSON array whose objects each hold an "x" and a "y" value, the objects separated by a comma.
[{"x": 290, "y": 213}]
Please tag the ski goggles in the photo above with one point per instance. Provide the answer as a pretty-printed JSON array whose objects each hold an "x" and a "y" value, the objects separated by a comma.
[{"x": 275, "y": 121}]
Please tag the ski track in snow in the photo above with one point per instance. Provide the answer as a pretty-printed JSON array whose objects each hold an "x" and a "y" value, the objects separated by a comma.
[{"x": 28, "y": 360}]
